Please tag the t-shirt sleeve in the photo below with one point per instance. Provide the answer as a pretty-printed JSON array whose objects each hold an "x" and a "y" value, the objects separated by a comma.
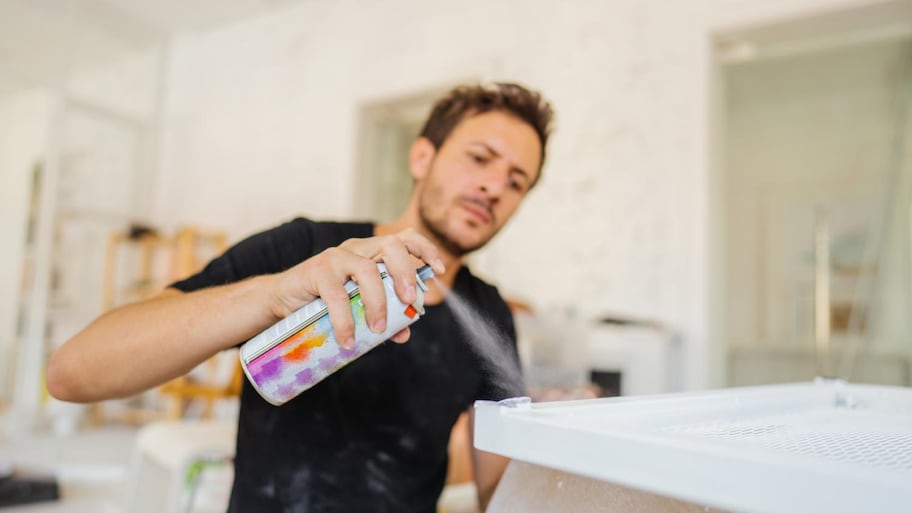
[
  {"x": 501, "y": 370},
  {"x": 267, "y": 252}
]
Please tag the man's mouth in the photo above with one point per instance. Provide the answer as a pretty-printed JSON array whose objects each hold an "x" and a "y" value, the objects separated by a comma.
[{"x": 478, "y": 210}]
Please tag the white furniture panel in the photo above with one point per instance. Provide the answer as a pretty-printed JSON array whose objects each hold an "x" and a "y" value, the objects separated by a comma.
[{"x": 826, "y": 446}]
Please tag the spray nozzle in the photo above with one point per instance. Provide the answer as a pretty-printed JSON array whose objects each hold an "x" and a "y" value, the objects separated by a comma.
[{"x": 425, "y": 273}]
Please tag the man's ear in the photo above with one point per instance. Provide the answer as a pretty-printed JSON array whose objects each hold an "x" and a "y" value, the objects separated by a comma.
[{"x": 420, "y": 157}]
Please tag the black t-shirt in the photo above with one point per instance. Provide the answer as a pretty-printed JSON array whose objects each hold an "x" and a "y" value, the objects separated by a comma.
[{"x": 373, "y": 436}]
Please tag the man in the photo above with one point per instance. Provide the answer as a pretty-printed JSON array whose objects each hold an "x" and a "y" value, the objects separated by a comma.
[{"x": 372, "y": 436}]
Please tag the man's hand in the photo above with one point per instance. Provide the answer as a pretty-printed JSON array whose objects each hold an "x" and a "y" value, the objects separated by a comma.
[{"x": 325, "y": 274}]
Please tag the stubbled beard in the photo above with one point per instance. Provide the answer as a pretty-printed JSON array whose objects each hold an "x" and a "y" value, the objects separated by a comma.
[{"x": 437, "y": 229}]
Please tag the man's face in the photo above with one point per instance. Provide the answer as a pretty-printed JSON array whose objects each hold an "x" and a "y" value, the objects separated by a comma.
[{"x": 476, "y": 180}]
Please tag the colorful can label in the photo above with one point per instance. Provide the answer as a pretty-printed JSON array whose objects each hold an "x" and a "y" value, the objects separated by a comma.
[{"x": 299, "y": 351}]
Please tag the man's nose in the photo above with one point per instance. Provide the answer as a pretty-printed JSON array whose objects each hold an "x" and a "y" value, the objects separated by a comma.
[{"x": 494, "y": 181}]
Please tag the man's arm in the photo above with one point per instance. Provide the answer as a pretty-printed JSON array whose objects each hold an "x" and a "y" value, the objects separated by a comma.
[
  {"x": 487, "y": 467},
  {"x": 139, "y": 346}
]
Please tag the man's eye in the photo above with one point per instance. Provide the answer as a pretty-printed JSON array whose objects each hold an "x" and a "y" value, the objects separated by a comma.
[
  {"x": 516, "y": 185},
  {"x": 478, "y": 159}
]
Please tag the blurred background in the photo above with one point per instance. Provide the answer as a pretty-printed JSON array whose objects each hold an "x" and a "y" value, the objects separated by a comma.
[{"x": 726, "y": 201}]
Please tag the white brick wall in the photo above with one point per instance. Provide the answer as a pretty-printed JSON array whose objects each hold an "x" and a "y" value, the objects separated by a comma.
[{"x": 260, "y": 124}]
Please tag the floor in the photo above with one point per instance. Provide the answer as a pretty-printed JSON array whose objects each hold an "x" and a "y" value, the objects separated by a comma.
[{"x": 91, "y": 467}]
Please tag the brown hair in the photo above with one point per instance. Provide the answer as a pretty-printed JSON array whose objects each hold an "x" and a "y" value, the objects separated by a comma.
[{"x": 470, "y": 100}]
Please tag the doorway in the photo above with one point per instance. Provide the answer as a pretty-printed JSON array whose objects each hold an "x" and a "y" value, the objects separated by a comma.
[
  {"x": 387, "y": 129},
  {"x": 815, "y": 177}
]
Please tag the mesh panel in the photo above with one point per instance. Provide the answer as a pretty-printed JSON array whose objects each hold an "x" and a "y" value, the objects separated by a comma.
[{"x": 879, "y": 439}]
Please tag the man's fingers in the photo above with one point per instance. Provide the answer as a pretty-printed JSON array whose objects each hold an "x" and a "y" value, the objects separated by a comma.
[
  {"x": 373, "y": 296},
  {"x": 415, "y": 244},
  {"x": 340, "y": 317},
  {"x": 355, "y": 259},
  {"x": 419, "y": 246},
  {"x": 402, "y": 336},
  {"x": 401, "y": 268},
  {"x": 330, "y": 287}
]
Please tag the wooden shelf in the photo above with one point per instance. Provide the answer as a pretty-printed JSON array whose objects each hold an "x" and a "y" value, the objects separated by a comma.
[{"x": 185, "y": 253}]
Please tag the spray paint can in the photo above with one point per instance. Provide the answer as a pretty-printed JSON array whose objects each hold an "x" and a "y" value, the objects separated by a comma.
[{"x": 299, "y": 351}]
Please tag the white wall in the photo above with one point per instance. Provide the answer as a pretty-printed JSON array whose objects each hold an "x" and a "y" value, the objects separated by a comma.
[{"x": 260, "y": 124}]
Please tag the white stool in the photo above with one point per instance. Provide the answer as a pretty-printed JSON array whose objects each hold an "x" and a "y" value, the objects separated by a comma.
[{"x": 166, "y": 461}]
